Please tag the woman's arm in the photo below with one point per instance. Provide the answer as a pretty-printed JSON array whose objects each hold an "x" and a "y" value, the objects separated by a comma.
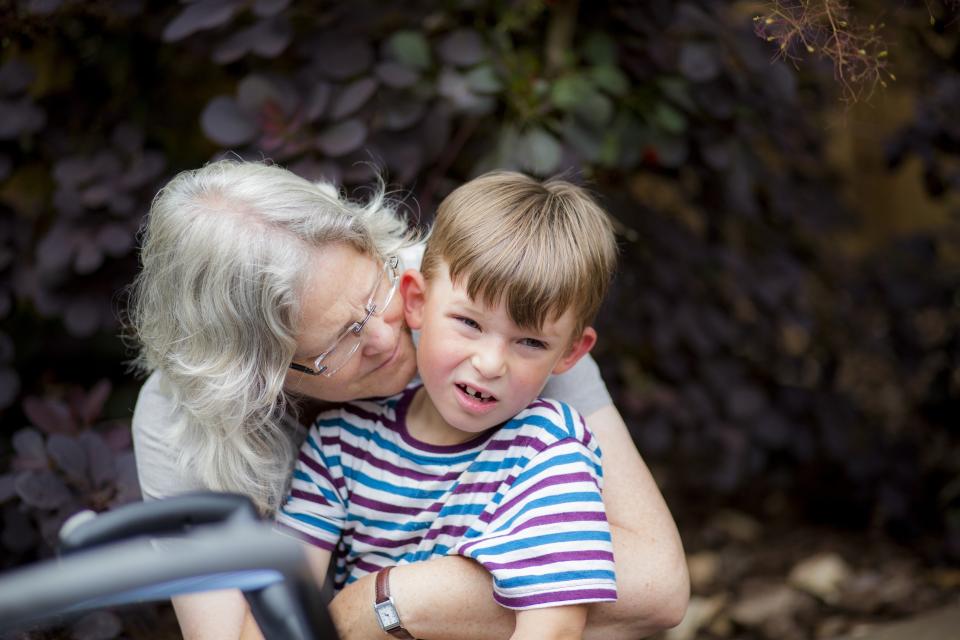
[
  {"x": 551, "y": 623},
  {"x": 452, "y": 597}
]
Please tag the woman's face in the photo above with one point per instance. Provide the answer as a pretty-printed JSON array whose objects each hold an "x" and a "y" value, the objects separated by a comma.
[{"x": 340, "y": 281}]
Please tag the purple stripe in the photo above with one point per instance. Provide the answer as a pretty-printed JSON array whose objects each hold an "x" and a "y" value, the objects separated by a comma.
[
  {"x": 309, "y": 497},
  {"x": 318, "y": 468},
  {"x": 582, "y": 595},
  {"x": 522, "y": 441},
  {"x": 451, "y": 530},
  {"x": 367, "y": 566},
  {"x": 317, "y": 542},
  {"x": 566, "y": 478},
  {"x": 541, "y": 403},
  {"x": 478, "y": 487},
  {"x": 384, "y": 506},
  {"x": 380, "y": 463},
  {"x": 554, "y": 518},
  {"x": 550, "y": 558},
  {"x": 385, "y": 543}
]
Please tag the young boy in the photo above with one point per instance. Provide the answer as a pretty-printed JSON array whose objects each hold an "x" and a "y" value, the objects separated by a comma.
[{"x": 472, "y": 462}]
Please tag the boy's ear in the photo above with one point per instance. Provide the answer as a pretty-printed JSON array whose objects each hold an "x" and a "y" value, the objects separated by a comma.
[
  {"x": 580, "y": 347},
  {"x": 413, "y": 290}
]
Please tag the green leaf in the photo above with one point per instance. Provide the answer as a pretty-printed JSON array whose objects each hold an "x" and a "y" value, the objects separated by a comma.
[
  {"x": 539, "y": 152},
  {"x": 569, "y": 91},
  {"x": 595, "y": 109},
  {"x": 411, "y": 48},
  {"x": 669, "y": 119},
  {"x": 483, "y": 79},
  {"x": 610, "y": 79},
  {"x": 599, "y": 49}
]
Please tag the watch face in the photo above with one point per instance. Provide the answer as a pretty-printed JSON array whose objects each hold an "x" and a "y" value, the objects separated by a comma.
[{"x": 387, "y": 615}]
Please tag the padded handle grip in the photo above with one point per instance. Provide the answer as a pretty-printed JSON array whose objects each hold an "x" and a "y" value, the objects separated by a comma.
[{"x": 171, "y": 516}]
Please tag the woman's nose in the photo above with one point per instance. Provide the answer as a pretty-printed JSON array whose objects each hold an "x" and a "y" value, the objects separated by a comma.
[{"x": 379, "y": 335}]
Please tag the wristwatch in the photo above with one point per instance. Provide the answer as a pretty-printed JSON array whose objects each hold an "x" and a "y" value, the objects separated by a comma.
[{"x": 386, "y": 611}]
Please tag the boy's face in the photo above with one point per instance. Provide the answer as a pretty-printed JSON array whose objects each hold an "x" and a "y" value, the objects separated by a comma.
[{"x": 479, "y": 368}]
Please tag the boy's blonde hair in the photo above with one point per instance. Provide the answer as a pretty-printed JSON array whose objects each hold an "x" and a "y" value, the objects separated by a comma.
[{"x": 538, "y": 248}]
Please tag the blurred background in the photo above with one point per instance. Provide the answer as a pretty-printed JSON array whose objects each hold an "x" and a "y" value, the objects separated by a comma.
[{"x": 783, "y": 338}]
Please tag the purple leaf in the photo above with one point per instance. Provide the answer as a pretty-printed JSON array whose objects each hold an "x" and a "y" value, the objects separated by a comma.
[
  {"x": 70, "y": 457},
  {"x": 699, "y": 61},
  {"x": 265, "y": 8},
  {"x": 256, "y": 90},
  {"x": 82, "y": 317},
  {"x": 271, "y": 37},
  {"x": 400, "y": 114},
  {"x": 199, "y": 16},
  {"x": 9, "y": 386},
  {"x": 352, "y": 97},
  {"x": 119, "y": 437},
  {"x": 106, "y": 164},
  {"x": 7, "y": 487},
  {"x": 31, "y": 452},
  {"x": 89, "y": 256},
  {"x": 115, "y": 239},
  {"x": 128, "y": 138},
  {"x": 15, "y": 76},
  {"x": 340, "y": 57},
  {"x": 93, "y": 404},
  {"x": 102, "y": 466},
  {"x": 127, "y": 483},
  {"x": 404, "y": 158},
  {"x": 43, "y": 7},
  {"x": 397, "y": 75},
  {"x": 73, "y": 171},
  {"x": 463, "y": 47},
  {"x": 56, "y": 249},
  {"x": 233, "y": 48},
  {"x": 99, "y": 625},
  {"x": 19, "y": 534},
  {"x": 97, "y": 195},
  {"x": 143, "y": 169},
  {"x": 19, "y": 118},
  {"x": 226, "y": 124},
  {"x": 315, "y": 171},
  {"x": 42, "y": 489},
  {"x": 342, "y": 138},
  {"x": 51, "y": 416},
  {"x": 456, "y": 88},
  {"x": 317, "y": 101},
  {"x": 67, "y": 201},
  {"x": 121, "y": 203}
]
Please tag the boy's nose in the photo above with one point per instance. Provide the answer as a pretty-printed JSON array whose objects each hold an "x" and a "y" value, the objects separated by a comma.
[{"x": 489, "y": 361}]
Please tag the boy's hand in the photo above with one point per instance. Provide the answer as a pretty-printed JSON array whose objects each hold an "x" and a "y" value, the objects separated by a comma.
[{"x": 551, "y": 623}]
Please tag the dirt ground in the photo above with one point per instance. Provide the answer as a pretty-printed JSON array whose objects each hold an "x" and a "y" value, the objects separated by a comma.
[{"x": 752, "y": 580}]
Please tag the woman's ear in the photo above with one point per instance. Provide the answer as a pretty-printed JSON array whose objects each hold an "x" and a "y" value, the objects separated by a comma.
[
  {"x": 578, "y": 348},
  {"x": 413, "y": 290}
]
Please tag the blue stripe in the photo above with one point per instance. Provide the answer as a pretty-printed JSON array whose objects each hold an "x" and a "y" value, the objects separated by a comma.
[
  {"x": 567, "y": 458},
  {"x": 526, "y": 543},
  {"x": 324, "y": 491},
  {"x": 387, "y": 525},
  {"x": 549, "y": 501},
  {"x": 568, "y": 419},
  {"x": 313, "y": 521},
  {"x": 372, "y": 483},
  {"x": 373, "y": 436},
  {"x": 560, "y": 576},
  {"x": 539, "y": 421},
  {"x": 497, "y": 465}
]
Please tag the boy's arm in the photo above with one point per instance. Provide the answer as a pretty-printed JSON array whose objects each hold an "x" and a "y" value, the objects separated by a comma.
[
  {"x": 551, "y": 623},
  {"x": 452, "y": 597}
]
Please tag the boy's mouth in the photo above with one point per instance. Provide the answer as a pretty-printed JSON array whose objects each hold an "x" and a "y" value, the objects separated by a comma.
[{"x": 475, "y": 393}]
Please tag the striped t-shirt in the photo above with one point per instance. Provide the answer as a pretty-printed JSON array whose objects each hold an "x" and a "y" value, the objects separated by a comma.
[{"x": 522, "y": 499}]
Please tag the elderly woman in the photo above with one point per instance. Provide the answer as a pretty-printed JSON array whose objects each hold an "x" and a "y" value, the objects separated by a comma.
[{"x": 254, "y": 301}]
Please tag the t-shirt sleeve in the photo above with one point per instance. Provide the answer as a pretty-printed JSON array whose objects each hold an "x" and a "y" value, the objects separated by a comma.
[
  {"x": 581, "y": 387},
  {"x": 315, "y": 508},
  {"x": 548, "y": 542},
  {"x": 155, "y": 450}
]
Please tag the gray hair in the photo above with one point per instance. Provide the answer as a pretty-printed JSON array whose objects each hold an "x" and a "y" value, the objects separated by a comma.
[{"x": 215, "y": 307}]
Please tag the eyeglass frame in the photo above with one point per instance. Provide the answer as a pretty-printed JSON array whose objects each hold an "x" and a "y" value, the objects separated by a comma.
[{"x": 391, "y": 267}]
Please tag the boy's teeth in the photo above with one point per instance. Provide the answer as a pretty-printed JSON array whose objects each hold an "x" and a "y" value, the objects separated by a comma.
[{"x": 476, "y": 394}]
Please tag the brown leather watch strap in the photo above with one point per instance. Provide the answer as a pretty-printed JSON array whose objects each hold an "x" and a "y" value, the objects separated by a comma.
[{"x": 382, "y": 590}]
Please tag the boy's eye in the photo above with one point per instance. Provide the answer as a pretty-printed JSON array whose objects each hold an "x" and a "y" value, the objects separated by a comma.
[
  {"x": 468, "y": 322},
  {"x": 533, "y": 343}
]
